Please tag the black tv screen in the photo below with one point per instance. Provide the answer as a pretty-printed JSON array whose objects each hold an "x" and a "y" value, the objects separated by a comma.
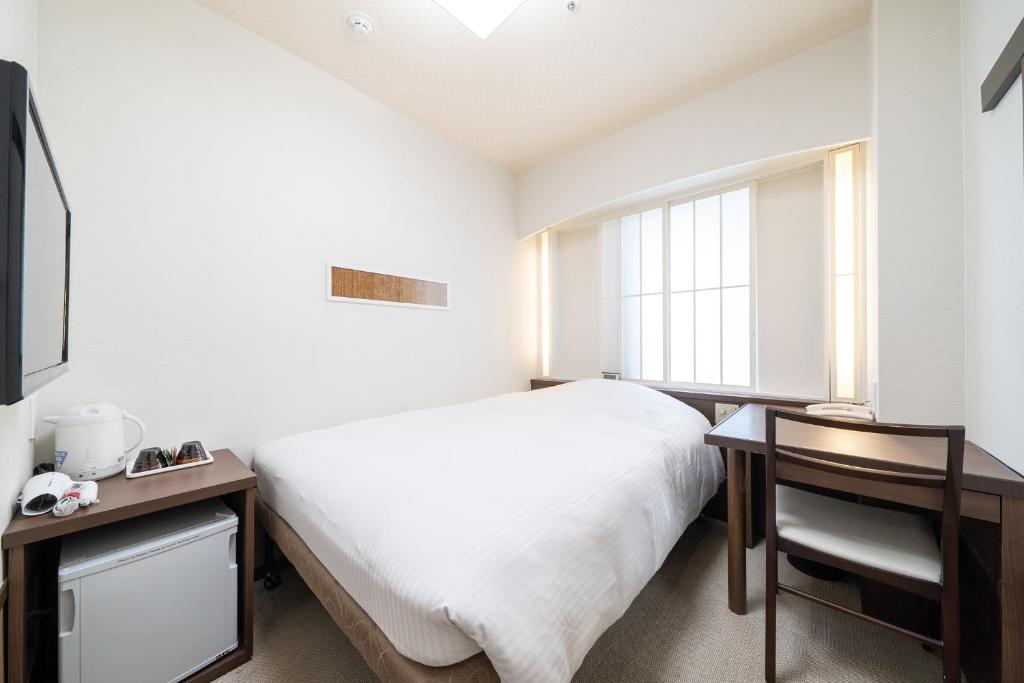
[{"x": 35, "y": 241}]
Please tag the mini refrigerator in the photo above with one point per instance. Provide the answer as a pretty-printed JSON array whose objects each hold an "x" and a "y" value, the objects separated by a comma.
[{"x": 151, "y": 599}]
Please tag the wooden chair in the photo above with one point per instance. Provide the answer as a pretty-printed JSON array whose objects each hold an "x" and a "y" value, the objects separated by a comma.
[{"x": 892, "y": 547}]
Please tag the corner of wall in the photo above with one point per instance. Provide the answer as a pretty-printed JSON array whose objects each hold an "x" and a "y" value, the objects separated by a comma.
[
  {"x": 919, "y": 174},
  {"x": 18, "y": 41}
]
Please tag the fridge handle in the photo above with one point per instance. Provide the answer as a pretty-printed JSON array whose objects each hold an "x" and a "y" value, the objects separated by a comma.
[
  {"x": 232, "y": 551},
  {"x": 69, "y": 634},
  {"x": 68, "y": 610}
]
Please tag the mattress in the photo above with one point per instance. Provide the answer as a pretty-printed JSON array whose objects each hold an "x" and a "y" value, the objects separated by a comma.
[{"x": 523, "y": 525}]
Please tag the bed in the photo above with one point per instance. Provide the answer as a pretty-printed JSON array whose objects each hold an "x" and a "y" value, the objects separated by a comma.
[{"x": 497, "y": 538}]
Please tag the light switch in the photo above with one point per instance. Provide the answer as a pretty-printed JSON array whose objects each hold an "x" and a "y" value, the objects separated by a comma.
[{"x": 32, "y": 418}]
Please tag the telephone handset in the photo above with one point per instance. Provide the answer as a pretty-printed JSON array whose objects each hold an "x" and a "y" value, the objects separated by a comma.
[{"x": 850, "y": 410}]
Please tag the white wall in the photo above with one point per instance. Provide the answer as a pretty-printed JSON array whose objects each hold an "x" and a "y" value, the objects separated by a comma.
[
  {"x": 210, "y": 175},
  {"x": 18, "y": 33},
  {"x": 256, "y": 144},
  {"x": 817, "y": 98},
  {"x": 919, "y": 178},
  {"x": 17, "y": 43},
  {"x": 994, "y": 240}
]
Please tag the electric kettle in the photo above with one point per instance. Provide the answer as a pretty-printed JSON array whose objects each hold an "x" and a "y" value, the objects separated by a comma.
[{"x": 89, "y": 440}]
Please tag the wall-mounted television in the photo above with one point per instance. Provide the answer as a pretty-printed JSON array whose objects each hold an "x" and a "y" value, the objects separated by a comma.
[{"x": 35, "y": 246}]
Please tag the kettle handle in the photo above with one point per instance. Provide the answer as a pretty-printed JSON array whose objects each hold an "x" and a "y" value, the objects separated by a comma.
[{"x": 142, "y": 430}]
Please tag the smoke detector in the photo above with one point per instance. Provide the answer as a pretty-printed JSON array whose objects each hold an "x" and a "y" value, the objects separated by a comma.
[{"x": 360, "y": 24}]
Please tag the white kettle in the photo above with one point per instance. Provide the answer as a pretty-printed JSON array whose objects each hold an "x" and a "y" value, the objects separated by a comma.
[{"x": 89, "y": 441}]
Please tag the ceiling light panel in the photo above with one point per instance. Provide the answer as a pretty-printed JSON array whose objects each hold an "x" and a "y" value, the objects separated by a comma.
[{"x": 481, "y": 17}]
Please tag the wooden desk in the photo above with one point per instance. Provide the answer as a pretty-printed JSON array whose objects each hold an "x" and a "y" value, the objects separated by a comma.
[
  {"x": 992, "y": 492},
  {"x": 122, "y": 498}
]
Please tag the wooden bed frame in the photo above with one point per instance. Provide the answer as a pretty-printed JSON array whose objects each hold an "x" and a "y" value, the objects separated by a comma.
[
  {"x": 375, "y": 647},
  {"x": 380, "y": 654}
]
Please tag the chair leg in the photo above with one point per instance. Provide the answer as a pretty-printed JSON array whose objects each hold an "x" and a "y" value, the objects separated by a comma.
[
  {"x": 951, "y": 639},
  {"x": 771, "y": 593}
]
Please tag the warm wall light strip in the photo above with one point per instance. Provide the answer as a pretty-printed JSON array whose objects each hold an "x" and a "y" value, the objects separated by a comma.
[
  {"x": 845, "y": 218},
  {"x": 545, "y": 304}
]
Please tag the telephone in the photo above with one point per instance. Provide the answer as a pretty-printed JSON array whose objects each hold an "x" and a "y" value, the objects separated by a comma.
[{"x": 851, "y": 410}]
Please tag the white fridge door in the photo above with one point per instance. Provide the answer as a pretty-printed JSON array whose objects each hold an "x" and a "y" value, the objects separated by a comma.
[
  {"x": 160, "y": 618},
  {"x": 68, "y": 634}
]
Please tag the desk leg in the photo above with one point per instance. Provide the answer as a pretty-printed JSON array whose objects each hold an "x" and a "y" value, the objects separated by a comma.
[
  {"x": 17, "y": 583},
  {"x": 248, "y": 569},
  {"x": 748, "y": 487},
  {"x": 1013, "y": 589},
  {"x": 736, "y": 480}
]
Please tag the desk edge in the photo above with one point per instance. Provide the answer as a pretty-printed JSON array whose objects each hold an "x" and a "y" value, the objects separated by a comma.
[
  {"x": 972, "y": 482},
  {"x": 101, "y": 517}
]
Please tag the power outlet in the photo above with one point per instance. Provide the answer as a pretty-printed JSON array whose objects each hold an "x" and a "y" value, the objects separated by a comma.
[
  {"x": 32, "y": 418},
  {"x": 724, "y": 410}
]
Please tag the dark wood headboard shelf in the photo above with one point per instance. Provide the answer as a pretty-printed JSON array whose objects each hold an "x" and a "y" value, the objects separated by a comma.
[
  {"x": 704, "y": 402},
  {"x": 701, "y": 401},
  {"x": 1010, "y": 482}
]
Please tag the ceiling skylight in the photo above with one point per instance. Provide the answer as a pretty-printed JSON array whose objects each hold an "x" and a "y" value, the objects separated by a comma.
[{"x": 481, "y": 16}]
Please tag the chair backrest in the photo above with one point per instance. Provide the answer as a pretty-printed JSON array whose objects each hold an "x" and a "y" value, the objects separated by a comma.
[{"x": 945, "y": 479}]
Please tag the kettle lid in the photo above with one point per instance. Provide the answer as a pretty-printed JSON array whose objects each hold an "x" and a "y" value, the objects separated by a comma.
[{"x": 89, "y": 413}]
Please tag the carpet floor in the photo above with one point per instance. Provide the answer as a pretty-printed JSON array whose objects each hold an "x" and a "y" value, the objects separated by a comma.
[{"x": 678, "y": 629}]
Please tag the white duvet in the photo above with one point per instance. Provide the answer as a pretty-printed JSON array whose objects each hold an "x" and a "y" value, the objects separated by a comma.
[{"x": 523, "y": 524}]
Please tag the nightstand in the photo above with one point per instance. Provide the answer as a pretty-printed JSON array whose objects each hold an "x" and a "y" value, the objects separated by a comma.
[{"x": 29, "y": 540}]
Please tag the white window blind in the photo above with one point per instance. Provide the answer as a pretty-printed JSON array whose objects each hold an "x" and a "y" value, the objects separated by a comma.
[
  {"x": 677, "y": 292},
  {"x": 696, "y": 292},
  {"x": 792, "y": 270}
]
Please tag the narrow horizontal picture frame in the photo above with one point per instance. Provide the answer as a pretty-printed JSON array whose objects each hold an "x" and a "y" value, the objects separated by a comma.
[{"x": 349, "y": 284}]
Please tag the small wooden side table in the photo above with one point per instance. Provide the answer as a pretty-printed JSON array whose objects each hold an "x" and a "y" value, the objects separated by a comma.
[{"x": 120, "y": 498}]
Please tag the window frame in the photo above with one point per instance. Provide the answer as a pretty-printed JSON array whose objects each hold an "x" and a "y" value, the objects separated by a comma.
[
  {"x": 751, "y": 187},
  {"x": 665, "y": 205},
  {"x": 639, "y": 211},
  {"x": 665, "y": 201}
]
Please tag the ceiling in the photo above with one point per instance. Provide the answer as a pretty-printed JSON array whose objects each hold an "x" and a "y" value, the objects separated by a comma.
[{"x": 547, "y": 80}]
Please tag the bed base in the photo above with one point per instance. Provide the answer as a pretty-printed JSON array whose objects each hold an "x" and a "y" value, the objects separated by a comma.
[
  {"x": 271, "y": 578},
  {"x": 380, "y": 654}
]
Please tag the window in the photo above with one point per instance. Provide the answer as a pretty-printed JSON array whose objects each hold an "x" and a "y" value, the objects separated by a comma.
[
  {"x": 846, "y": 299},
  {"x": 754, "y": 287},
  {"x": 677, "y": 291}
]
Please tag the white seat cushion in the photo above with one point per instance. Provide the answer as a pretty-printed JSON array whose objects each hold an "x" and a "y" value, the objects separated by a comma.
[{"x": 897, "y": 542}]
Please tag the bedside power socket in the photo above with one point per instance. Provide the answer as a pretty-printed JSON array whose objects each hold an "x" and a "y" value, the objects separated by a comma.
[{"x": 724, "y": 410}]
